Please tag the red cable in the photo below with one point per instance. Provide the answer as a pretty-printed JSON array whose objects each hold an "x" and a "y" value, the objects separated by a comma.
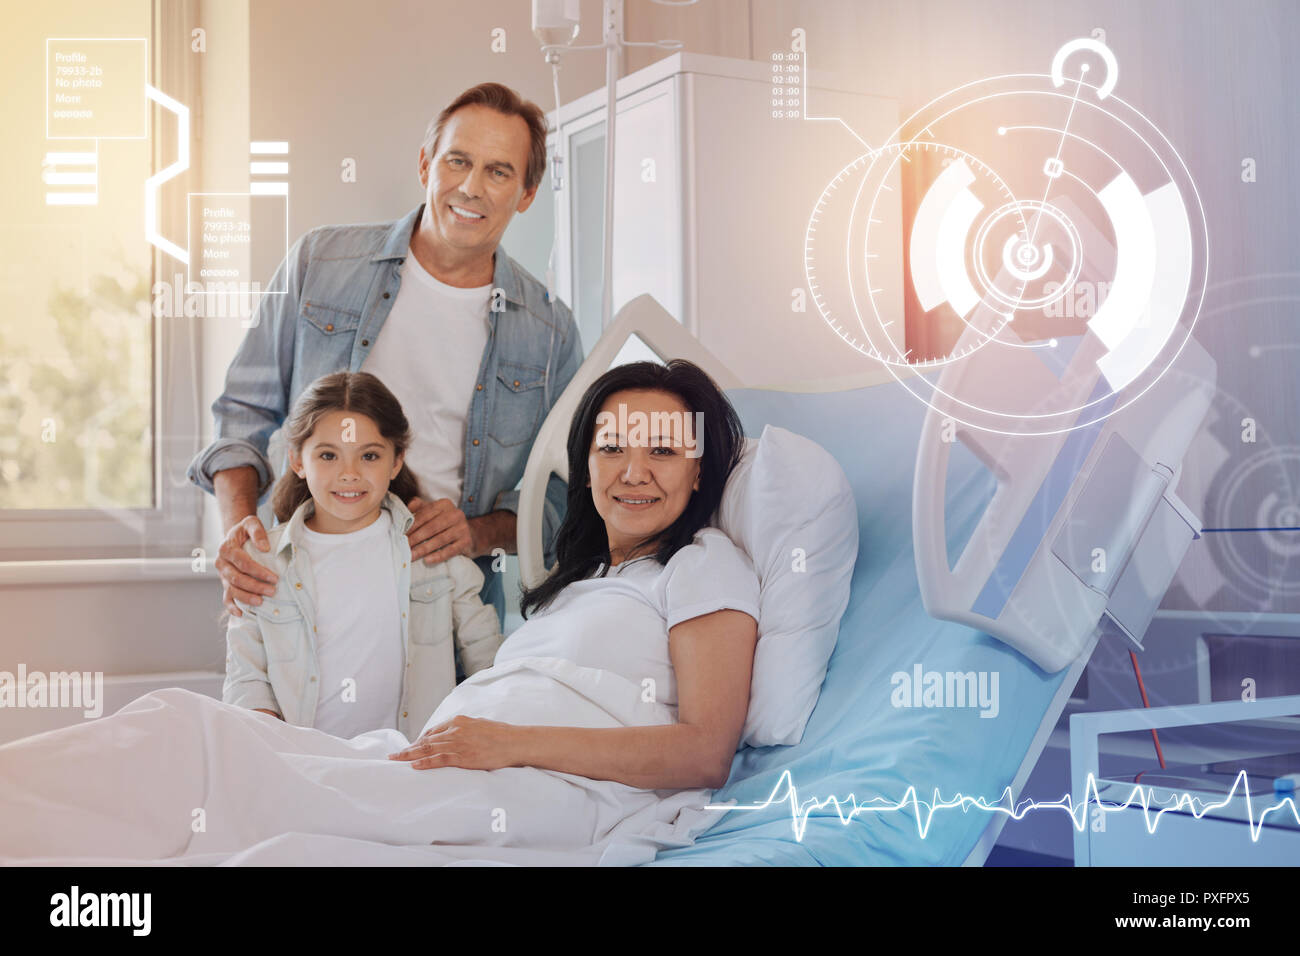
[{"x": 1146, "y": 703}]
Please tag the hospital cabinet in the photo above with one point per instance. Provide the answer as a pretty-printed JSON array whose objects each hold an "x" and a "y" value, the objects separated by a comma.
[{"x": 713, "y": 196}]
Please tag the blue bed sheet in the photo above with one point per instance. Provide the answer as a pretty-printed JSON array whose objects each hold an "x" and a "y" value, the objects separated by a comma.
[{"x": 856, "y": 741}]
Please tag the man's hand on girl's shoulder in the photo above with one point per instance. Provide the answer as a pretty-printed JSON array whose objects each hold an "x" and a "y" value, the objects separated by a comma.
[
  {"x": 440, "y": 531},
  {"x": 243, "y": 577}
]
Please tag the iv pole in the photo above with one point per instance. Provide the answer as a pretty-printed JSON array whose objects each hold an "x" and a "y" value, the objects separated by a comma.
[
  {"x": 612, "y": 43},
  {"x": 613, "y": 39}
]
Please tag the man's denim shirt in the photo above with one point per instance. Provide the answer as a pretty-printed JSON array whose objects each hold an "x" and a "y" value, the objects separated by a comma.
[{"x": 341, "y": 282}]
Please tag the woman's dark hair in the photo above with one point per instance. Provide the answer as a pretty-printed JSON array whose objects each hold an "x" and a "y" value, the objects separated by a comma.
[
  {"x": 358, "y": 392},
  {"x": 581, "y": 543}
]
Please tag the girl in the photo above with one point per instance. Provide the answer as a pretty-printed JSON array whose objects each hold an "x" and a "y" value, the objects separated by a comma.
[{"x": 357, "y": 637}]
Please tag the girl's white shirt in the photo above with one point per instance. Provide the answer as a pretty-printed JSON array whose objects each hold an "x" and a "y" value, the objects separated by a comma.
[
  {"x": 359, "y": 628},
  {"x": 273, "y": 659}
]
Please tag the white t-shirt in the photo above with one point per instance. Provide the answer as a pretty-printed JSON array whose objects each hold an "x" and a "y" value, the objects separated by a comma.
[
  {"x": 620, "y": 622},
  {"x": 428, "y": 354},
  {"x": 359, "y": 628}
]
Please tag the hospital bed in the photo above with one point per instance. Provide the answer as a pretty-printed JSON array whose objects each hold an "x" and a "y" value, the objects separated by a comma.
[{"x": 795, "y": 805}]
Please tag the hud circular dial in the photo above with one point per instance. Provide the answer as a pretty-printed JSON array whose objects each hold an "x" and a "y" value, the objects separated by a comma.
[
  {"x": 853, "y": 223},
  {"x": 1047, "y": 225}
]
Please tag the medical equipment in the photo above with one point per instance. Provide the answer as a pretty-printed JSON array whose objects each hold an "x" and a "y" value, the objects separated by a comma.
[
  {"x": 1083, "y": 523},
  {"x": 555, "y": 24},
  {"x": 1216, "y": 815},
  {"x": 559, "y": 20}
]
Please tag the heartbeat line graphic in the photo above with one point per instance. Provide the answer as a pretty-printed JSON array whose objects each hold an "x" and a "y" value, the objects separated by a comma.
[{"x": 1140, "y": 796}]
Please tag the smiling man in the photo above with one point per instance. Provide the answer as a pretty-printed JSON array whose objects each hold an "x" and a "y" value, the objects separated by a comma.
[{"x": 467, "y": 340}]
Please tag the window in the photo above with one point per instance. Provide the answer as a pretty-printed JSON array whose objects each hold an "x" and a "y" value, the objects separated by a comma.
[{"x": 94, "y": 391}]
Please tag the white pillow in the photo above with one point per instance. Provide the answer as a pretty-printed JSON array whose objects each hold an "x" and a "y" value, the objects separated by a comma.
[{"x": 788, "y": 504}]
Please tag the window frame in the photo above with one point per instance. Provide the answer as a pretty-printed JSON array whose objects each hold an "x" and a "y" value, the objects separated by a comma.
[{"x": 172, "y": 526}]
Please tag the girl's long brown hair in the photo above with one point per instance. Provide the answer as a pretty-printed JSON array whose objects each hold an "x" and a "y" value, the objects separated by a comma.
[{"x": 358, "y": 392}]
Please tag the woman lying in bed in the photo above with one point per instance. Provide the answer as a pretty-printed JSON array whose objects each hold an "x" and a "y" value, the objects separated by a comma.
[
  {"x": 618, "y": 705},
  {"x": 639, "y": 589}
]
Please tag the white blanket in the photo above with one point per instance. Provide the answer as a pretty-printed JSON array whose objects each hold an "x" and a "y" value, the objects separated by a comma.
[{"x": 176, "y": 777}]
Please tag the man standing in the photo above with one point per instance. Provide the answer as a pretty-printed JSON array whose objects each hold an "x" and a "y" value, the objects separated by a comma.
[{"x": 471, "y": 345}]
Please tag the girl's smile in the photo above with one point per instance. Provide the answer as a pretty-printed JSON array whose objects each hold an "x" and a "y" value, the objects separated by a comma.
[{"x": 347, "y": 464}]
